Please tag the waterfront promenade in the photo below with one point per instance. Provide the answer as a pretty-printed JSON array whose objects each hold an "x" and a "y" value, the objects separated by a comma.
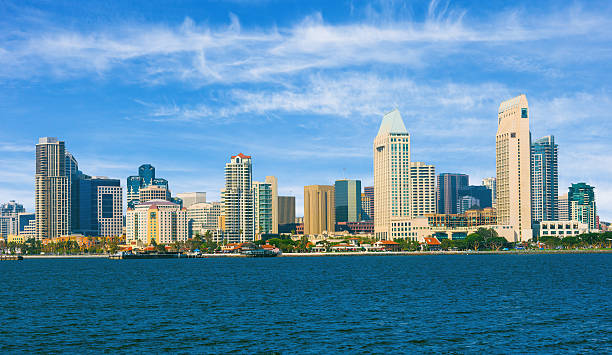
[{"x": 406, "y": 253}]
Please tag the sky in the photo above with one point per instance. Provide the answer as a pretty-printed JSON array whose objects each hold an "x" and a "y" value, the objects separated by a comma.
[{"x": 301, "y": 86}]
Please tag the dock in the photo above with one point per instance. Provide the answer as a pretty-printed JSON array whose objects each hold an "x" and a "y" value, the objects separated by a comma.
[{"x": 10, "y": 257}]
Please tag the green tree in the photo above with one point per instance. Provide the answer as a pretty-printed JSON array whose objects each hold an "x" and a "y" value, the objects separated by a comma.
[{"x": 474, "y": 241}]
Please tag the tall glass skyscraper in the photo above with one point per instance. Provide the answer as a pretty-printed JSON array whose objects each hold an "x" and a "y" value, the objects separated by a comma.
[
  {"x": 544, "y": 180},
  {"x": 449, "y": 186},
  {"x": 145, "y": 178},
  {"x": 348, "y": 200}
]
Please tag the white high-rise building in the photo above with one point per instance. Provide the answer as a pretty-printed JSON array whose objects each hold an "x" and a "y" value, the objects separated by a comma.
[
  {"x": 52, "y": 195},
  {"x": 491, "y": 184},
  {"x": 423, "y": 193},
  {"x": 513, "y": 161},
  {"x": 191, "y": 198},
  {"x": 110, "y": 211},
  {"x": 392, "y": 183},
  {"x": 262, "y": 201},
  {"x": 275, "y": 212},
  {"x": 563, "y": 208},
  {"x": 204, "y": 217},
  {"x": 237, "y": 199}
]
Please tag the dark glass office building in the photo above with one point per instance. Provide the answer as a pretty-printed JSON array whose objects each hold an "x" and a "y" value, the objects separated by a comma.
[
  {"x": 448, "y": 191},
  {"x": 348, "y": 200}
]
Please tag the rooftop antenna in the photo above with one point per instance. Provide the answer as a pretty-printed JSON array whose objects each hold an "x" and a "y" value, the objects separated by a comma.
[{"x": 344, "y": 173}]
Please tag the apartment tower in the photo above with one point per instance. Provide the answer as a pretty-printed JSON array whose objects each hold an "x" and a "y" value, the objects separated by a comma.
[
  {"x": 275, "y": 214},
  {"x": 423, "y": 194},
  {"x": 391, "y": 174},
  {"x": 513, "y": 163},
  {"x": 52, "y": 195},
  {"x": 544, "y": 180},
  {"x": 237, "y": 200}
]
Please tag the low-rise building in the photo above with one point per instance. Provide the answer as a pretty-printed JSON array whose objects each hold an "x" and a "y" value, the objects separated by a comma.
[{"x": 562, "y": 229}]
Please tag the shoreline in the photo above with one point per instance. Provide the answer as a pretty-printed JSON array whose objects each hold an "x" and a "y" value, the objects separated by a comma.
[{"x": 395, "y": 253}]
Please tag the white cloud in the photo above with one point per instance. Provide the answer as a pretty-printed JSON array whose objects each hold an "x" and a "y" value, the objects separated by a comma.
[{"x": 202, "y": 54}]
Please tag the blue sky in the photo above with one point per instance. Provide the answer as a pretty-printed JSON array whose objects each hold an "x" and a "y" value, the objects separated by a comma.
[{"x": 299, "y": 85}]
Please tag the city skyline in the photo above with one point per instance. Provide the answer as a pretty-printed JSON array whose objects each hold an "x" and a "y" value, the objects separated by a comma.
[{"x": 291, "y": 129}]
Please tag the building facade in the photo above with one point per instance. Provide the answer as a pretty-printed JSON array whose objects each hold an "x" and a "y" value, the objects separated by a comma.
[
  {"x": 191, "y": 198},
  {"x": 262, "y": 199},
  {"x": 52, "y": 194},
  {"x": 153, "y": 192},
  {"x": 563, "y": 207},
  {"x": 158, "y": 220},
  {"x": 286, "y": 209},
  {"x": 347, "y": 196},
  {"x": 491, "y": 184},
  {"x": 11, "y": 208},
  {"x": 581, "y": 198},
  {"x": 544, "y": 180},
  {"x": 237, "y": 200},
  {"x": 275, "y": 210},
  {"x": 392, "y": 183},
  {"x": 513, "y": 163},
  {"x": 481, "y": 196},
  {"x": 204, "y": 217},
  {"x": 365, "y": 207},
  {"x": 145, "y": 178},
  {"x": 97, "y": 207},
  {"x": 369, "y": 192},
  {"x": 562, "y": 229},
  {"x": 319, "y": 209},
  {"x": 423, "y": 192},
  {"x": 449, "y": 185}
]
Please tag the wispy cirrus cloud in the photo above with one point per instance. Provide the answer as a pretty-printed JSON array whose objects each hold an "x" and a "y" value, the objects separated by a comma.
[{"x": 202, "y": 54}]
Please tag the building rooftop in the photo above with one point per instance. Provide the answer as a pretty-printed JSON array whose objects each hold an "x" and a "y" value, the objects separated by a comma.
[
  {"x": 157, "y": 203},
  {"x": 392, "y": 122},
  {"x": 242, "y": 156}
]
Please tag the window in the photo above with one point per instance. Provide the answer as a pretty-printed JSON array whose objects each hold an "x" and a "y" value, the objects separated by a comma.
[
  {"x": 512, "y": 135},
  {"x": 524, "y": 113}
]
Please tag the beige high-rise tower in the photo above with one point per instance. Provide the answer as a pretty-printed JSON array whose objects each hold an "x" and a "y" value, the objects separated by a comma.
[
  {"x": 319, "y": 209},
  {"x": 52, "y": 193},
  {"x": 392, "y": 182},
  {"x": 423, "y": 193},
  {"x": 513, "y": 161},
  {"x": 274, "y": 185}
]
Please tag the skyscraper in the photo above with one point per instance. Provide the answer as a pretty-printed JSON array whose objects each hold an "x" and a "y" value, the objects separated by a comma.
[
  {"x": 144, "y": 179},
  {"x": 319, "y": 209},
  {"x": 513, "y": 150},
  {"x": 391, "y": 174},
  {"x": 366, "y": 203},
  {"x": 563, "y": 207},
  {"x": 11, "y": 208},
  {"x": 582, "y": 206},
  {"x": 491, "y": 184},
  {"x": 286, "y": 209},
  {"x": 369, "y": 192},
  {"x": 262, "y": 201},
  {"x": 347, "y": 195},
  {"x": 449, "y": 186},
  {"x": 275, "y": 213},
  {"x": 237, "y": 200},
  {"x": 97, "y": 209},
  {"x": 423, "y": 193},
  {"x": 544, "y": 180},
  {"x": 481, "y": 196},
  {"x": 52, "y": 195}
]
